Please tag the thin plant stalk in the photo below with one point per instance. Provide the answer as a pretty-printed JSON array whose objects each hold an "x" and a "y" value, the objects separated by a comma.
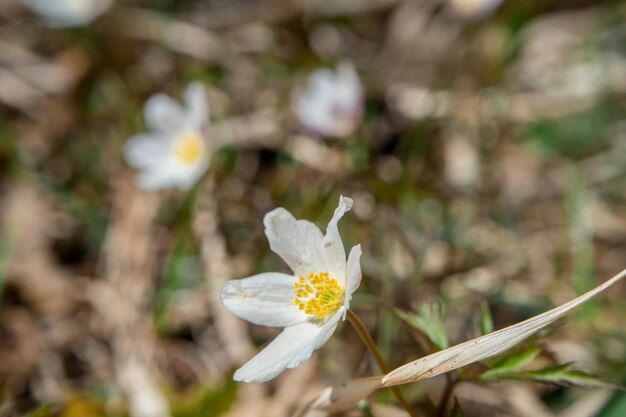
[
  {"x": 378, "y": 357},
  {"x": 447, "y": 394}
]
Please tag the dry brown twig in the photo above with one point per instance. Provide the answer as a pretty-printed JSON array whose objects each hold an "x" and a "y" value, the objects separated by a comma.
[
  {"x": 27, "y": 218},
  {"x": 27, "y": 80},
  {"x": 123, "y": 299},
  {"x": 217, "y": 267},
  {"x": 235, "y": 13},
  {"x": 261, "y": 128},
  {"x": 181, "y": 37}
]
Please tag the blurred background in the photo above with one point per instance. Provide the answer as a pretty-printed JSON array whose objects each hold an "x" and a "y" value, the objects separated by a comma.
[{"x": 488, "y": 169}]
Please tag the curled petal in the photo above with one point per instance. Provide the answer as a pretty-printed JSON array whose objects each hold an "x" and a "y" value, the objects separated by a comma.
[
  {"x": 333, "y": 246},
  {"x": 297, "y": 242},
  {"x": 263, "y": 299},
  {"x": 353, "y": 278}
]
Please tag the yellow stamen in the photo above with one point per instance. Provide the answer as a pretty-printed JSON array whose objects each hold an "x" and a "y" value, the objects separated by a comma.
[
  {"x": 188, "y": 147},
  {"x": 317, "y": 294}
]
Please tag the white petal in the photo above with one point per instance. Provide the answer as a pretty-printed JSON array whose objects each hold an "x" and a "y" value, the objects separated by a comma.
[
  {"x": 187, "y": 176},
  {"x": 164, "y": 115},
  {"x": 68, "y": 13},
  {"x": 186, "y": 182},
  {"x": 292, "y": 347},
  {"x": 297, "y": 242},
  {"x": 333, "y": 246},
  {"x": 349, "y": 93},
  {"x": 263, "y": 299},
  {"x": 314, "y": 113},
  {"x": 349, "y": 80},
  {"x": 321, "y": 81},
  {"x": 332, "y": 103},
  {"x": 155, "y": 178},
  {"x": 169, "y": 174},
  {"x": 314, "y": 106},
  {"x": 146, "y": 149},
  {"x": 353, "y": 278},
  {"x": 329, "y": 328},
  {"x": 196, "y": 104}
]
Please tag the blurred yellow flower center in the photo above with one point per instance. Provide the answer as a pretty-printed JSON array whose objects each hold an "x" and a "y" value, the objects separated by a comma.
[
  {"x": 317, "y": 294},
  {"x": 188, "y": 147}
]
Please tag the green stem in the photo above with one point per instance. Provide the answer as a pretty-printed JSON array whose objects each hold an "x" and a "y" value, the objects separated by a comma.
[{"x": 371, "y": 345}]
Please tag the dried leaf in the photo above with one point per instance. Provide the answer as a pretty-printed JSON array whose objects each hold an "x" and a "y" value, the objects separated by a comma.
[
  {"x": 486, "y": 346},
  {"x": 342, "y": 396}
]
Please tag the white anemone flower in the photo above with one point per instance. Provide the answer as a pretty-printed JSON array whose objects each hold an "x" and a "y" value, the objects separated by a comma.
[
  {"x": 308, "y": 304},
  {"x": 332, "y": 102},
  {"x": 175, "y": 152},
  {"x": 68, "y": 13}
]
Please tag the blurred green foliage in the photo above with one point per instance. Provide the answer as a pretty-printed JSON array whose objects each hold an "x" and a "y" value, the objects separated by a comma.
[
  {"x": 429, "y": 321},
  {"x": 209, "y": 401},
  {"x": 616, "y": 407},
  {"x": 574, "y": 136}
]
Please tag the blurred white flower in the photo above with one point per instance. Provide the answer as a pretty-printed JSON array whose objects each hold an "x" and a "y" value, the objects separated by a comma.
[
  {"x": 332, "y": 103},
  {"x": 308, "y": 304},
  {"x": 473, "y": 9},
  {"x": 174, "y": 153},
  {"x": 68, "y": 13}
]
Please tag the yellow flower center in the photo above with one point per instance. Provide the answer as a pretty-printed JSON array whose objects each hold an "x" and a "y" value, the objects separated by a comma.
[
  {"x": 188, "y": 147},
  {"x": 317, "y": 294}
]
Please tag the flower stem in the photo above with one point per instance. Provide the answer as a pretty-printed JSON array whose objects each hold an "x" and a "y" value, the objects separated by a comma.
[{"x": 371, "y": 345}]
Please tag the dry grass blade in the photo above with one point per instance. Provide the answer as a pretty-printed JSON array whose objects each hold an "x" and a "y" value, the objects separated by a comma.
[
  {"x": 346, "y": 395},
  {"x": 340, "y": 397},
  {"x": 486, "y": 346},
  {"x": 179, "y": 36}
]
